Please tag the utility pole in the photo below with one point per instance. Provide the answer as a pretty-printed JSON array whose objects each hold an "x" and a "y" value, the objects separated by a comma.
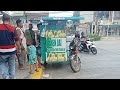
[
  {"x": 95, "y": 21},
  {"x": 113, "y": 16},
  {"x": 108, "y": 24},
  {"x": 113, "y": 21},
  {"x": 25, "y": 16}
]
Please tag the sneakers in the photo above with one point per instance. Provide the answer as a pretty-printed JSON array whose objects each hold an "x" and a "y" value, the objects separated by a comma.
[{"x": 7, "y": 77}]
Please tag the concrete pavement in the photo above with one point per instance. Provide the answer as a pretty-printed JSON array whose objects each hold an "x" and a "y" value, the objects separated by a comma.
[
  {"x": 104, "y": 65},
  {"x": 24, "y": 74}
]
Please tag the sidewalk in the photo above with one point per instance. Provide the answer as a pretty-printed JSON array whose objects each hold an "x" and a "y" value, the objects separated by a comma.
[
  {"x": 24, "y": 74},
  {"x": 110, "y": 38}
]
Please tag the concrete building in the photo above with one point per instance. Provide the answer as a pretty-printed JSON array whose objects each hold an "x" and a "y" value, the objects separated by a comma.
[
  {"x": 35, "y": 16},
  {"x": 108, "y": 22},
  {"x": 28, "y": 17},
  {"x": 88, "y": 16},
  {"x": 86, "y": 24}
]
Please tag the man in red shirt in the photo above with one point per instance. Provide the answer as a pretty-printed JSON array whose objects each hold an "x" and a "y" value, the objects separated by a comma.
[{"x": 8, "y": 39}]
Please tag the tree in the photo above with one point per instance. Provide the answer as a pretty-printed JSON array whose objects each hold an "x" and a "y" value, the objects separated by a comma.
[{"x": 76, "y": 14}]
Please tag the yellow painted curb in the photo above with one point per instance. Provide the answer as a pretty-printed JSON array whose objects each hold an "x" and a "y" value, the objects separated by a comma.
[{"x": 38, "y": 75}]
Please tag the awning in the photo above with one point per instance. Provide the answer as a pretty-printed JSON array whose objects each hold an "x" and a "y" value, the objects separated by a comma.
[{"x": 62, "y": 18}]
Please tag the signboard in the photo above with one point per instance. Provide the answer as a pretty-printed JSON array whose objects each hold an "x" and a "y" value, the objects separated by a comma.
[
  {"x": 105, "y": 22},
  {"x": 116, "y": 23},
  {"x": 51, "y": 56},
  {"x": 56, "y": 45}
]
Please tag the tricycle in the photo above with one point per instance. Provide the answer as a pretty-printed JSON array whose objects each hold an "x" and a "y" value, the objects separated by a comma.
[{"x": 54, "y": 44}]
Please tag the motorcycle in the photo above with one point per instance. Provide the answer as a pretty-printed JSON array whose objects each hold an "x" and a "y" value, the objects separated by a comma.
[
  {"x": 75, "y": 62},
  {"x": 90, "y": 47}
]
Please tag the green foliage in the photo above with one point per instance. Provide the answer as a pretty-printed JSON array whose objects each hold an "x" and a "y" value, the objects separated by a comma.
[{"x": 95, "y": 37}]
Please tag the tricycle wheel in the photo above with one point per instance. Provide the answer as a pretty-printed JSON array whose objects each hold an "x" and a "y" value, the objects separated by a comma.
[{"x": 74, "y": 64}]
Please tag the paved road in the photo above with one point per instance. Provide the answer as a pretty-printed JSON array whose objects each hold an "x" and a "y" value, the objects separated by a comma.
[{"x": 104, "y": 65}]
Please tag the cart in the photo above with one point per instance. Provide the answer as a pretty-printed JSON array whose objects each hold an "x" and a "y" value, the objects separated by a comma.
[{"x": 53, "y": 41}]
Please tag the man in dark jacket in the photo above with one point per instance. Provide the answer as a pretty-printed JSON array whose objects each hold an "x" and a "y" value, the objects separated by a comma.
[{"x": 9, "y": 39}]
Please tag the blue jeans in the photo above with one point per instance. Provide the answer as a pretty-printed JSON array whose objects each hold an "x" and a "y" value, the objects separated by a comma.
[{"x": 7, "y": 65}]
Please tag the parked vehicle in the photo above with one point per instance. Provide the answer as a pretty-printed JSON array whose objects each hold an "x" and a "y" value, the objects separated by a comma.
[
  {"x": 53, "y": 42},
  {"x": 75, "y": 61}
]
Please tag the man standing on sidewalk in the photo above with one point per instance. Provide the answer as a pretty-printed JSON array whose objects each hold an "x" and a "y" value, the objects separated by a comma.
[
  {"x": 30, "y": 35},
  {"x": 39, "y": 47},
  {"x": 22, "y": 56},
  {"x": 8, "y": 38}
]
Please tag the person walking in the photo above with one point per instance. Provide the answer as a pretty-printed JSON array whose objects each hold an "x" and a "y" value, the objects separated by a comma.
[
  {"x": 8, "y": 39},
  {"x": 22, "y": 56}
]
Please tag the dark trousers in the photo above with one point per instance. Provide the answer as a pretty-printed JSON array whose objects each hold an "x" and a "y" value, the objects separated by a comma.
[{"x": 84, "y": 45}]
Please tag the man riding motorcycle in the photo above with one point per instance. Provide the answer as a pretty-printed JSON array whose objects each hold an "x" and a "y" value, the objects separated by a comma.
[{"x": 84, "y": 41}]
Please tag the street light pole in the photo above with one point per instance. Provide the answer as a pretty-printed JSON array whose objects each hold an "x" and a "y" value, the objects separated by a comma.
[
  {"x": 113, "y": 21},
  {"x": 112, "y": 16},
  {"x": 97, "y": 25},
  {"x": 92, "y": 27}
]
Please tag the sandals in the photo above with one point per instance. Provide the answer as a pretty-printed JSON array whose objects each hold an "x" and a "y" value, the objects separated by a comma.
[
  {"x": 33, "y": 72},
  {"x": 37, "y": 70},
  {"x": 41, "y": 66}
]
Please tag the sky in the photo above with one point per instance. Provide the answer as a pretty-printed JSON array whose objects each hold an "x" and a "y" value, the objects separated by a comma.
[
  {"x": 55, "y": 13},
  {"x": 88, "y": 15},
  {"x": 60, "y": 13}
]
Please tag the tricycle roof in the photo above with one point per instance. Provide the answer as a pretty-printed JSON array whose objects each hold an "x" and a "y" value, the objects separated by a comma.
[{"x": 62, "y": 18}]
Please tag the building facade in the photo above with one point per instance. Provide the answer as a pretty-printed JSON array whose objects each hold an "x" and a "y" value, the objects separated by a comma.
[
  {"x": 86, "y": 24},
  {"x": 107, "y": 22}
]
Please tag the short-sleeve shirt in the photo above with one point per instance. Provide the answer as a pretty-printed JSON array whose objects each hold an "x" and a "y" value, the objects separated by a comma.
[{"x": 30, "y": 35}]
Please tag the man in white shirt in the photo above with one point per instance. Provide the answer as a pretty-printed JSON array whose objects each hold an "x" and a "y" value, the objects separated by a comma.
[{"x": 22, "y": 56}]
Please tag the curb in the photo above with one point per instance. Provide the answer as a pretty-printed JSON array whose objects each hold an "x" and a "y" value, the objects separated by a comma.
[{"x": 38, "y": 75}]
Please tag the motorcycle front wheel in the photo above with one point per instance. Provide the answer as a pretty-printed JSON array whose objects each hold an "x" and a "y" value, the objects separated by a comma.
[
  {"x": 74, "y": 64},
  {"x": 94, "y": 50}
]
